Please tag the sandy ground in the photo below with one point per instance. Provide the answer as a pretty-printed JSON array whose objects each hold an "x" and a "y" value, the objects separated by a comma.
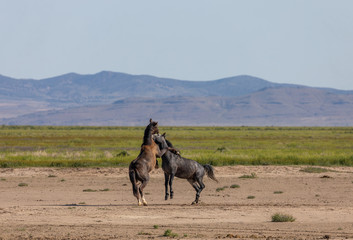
[{"x": 56, "y": 204}]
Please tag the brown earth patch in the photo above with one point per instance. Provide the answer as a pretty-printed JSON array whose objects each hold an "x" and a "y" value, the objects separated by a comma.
[{"x": 54, "y": 205}]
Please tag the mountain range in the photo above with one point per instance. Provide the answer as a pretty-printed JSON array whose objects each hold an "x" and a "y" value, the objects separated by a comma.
[{"x": 119, "y": 99}]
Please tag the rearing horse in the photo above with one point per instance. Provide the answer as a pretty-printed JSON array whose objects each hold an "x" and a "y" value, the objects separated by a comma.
[{"x": 144, "y": 163}]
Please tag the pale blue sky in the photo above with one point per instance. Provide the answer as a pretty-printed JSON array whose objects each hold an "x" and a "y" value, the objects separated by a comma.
[{"x": 306, "y": 42}]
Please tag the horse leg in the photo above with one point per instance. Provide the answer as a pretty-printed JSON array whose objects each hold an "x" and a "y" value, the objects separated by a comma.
[
  {"x": 138, "y": 195},
  {"x": 143, "y": 185},
  {"x": 197, "y": 189},
  {"x": 135, "y": 186},
  {"x": 166, "y": 180},
  {"x": 202, "y": 186},
  {"x": 170, "y": 185}
]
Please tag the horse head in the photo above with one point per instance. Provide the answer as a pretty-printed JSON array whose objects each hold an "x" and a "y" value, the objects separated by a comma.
[
  {"x": 153, "y": 127},
  {"x": 160, "y": 140},
  {"x": 163, "y": 143}
]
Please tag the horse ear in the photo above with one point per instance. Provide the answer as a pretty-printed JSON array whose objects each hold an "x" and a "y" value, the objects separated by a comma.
[
  {"x": 164, "y": 134},
  {"x": 150, "y": 120}
]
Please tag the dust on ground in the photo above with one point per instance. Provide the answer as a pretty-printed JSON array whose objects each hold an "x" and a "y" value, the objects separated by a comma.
[{"x": 97, "y": 203}]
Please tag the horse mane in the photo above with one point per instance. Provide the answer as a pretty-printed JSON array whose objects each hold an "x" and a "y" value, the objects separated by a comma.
[
  {"x": 169, "y": 143},
  {"x": 147, "y": 137}
]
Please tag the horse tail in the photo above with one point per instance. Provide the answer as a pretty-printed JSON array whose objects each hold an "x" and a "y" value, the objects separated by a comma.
[
  {"x": 209, "y": 171},
  {"x": 132, "y": 176}
]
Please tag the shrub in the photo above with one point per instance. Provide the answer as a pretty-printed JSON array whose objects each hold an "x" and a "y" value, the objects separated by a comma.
[
  {"x": 279, "y": 217},
  {"x": 219, "y": 189},
  {"x": 169, "y": 233},
  {"x": 89, "y": 190},
  {"x": 104, "y": 190}
]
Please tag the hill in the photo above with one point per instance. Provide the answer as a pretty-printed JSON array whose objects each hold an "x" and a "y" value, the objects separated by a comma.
[{"x": 109, "y": 98}]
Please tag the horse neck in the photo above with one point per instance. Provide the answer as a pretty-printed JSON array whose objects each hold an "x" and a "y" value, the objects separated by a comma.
[
  {"x": 147, "y": 138},
  {"x": 163, "y": 145}
]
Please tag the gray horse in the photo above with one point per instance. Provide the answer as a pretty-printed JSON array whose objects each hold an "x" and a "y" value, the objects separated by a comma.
[{"x": 175, "y": 165}]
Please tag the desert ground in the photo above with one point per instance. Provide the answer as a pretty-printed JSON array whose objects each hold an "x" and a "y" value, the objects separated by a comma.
[{"x": 97, "y": 203}]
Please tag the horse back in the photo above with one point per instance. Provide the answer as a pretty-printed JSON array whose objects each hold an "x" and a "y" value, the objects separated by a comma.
[{"x": 185, "y": 168}]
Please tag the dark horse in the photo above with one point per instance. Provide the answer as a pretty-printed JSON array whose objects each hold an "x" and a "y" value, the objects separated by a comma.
[
  {"x": 144, "y": 163},
  {"x": 175, "y": 165}
]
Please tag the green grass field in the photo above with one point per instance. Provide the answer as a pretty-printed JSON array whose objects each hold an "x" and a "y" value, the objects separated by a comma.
[{"x": 27, "y": 146}]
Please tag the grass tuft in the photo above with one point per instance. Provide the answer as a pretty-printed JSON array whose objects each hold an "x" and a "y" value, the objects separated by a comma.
[
  {"x": 221, "y": 188},
  {"x": 89, "y": 190},
  {"x": 280, "y": 217},
  {"x": 252, "y": 175},
  {"x": 169, "y": 233},
  {"x": 104, "y": 190}
]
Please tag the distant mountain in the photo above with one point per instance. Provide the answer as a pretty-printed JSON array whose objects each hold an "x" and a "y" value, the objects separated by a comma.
[
  {"x": 106, "y": 87},
  {"x": 109, "y": 98},
  {"x": 23, "y": 96}
]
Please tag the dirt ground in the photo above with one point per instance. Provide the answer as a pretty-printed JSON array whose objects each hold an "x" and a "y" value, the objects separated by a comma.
[{"x": 98, "y": 204}]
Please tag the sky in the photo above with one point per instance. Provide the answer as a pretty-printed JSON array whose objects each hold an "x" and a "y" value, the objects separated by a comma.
[{"x": 308, "y": 42}]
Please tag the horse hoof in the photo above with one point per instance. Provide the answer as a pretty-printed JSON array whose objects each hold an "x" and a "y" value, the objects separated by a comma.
[
  {"x": 145, "y": 204},
  {"x": 193, "y": 203},
  {"x": 166, "y": 198}
]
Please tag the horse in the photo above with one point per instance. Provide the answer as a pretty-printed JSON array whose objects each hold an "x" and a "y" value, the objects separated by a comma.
[
  {"x": 145, "y": 162},
  {"x": 175, "y": 165}
]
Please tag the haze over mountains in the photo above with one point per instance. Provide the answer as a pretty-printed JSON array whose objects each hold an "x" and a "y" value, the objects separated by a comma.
[{"x": 118, "y": 99}]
